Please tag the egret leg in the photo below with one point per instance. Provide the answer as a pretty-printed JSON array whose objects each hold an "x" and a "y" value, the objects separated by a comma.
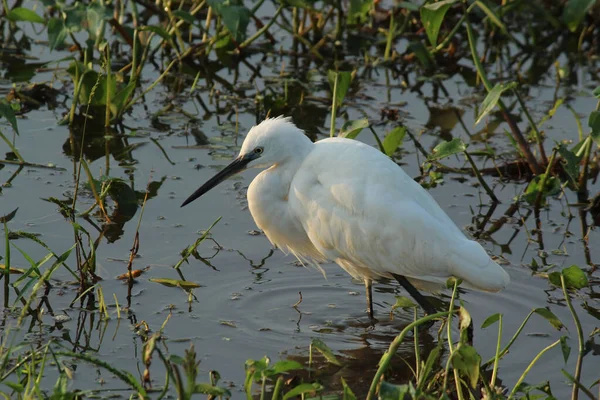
[
  {"x": 423, "y": 302},
  {"x": 369, "y": 291}
]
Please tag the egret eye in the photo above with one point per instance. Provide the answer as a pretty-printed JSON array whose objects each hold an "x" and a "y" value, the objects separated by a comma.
[{"x": 258, "y": 150}]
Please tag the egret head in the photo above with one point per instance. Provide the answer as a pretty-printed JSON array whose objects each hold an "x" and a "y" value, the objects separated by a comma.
[{"x": 271, "y": 142}]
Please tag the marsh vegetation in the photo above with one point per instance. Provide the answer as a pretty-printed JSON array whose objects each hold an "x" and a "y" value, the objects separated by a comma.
[{"x": 112, "y": 110}]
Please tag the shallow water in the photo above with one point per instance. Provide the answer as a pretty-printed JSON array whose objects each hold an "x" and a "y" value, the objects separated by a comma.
[{"x": 244, "y": 307}]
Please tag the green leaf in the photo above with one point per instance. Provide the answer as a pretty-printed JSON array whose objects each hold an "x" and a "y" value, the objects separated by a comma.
[
  {"x": 450, "y": 282},
  {"x": 393, "y": 139},
  {"x": 566, "y": 349},
  {"x": 490, "y": 320},
  {"x": 467, "y": 360},
  {"x": 446, "y": 149},
  {"x": 432, "y": 16},
  {"x": 347, "y": 393},
  {"x": 94, "y": 85},
  {"x": 428, "y": 367},
  {"x": 282, "y": 366},
  {"x": 122, "y": 98},
  {"x": 359, "y": 10},
  {"x": 17, "y": 387},
  {"x": 575, "y": 278},
  {"x": 7, "y": 112},
  {"x": 207, "y": 388},
  {"x": 422, "y": 53},
  {"x": 594, "y": 122},
  {"x": 122, "y": 194},
  {"x": 570, "y": 162},
  {"x": 255, "y": 368},
  {"x": 339, "y": 90},
  {"x": 303, "y": 389},
  {"x": 158, "y": 30},
  {"x": 596, "y": 92},
  {"x": 351, "y": 129},
  {"x": 574, "y": 12},
  {"x": 175, "y": 359},
  {"x": 551, "y": 187},
  {"x": 388, "y": 391},
  {"x": 24, "y": 14},
  {"x": 403, "y": 302},
  {"x": 56, "y": 33},
  {"x": 235, "y": 17},
  {"x": 94, "y": 16},
  {"x": 492, "y": 98},
  {"x": 325, "y": 350},
  {"x": 175, "y": 283},
  {"x": 491, "y": 15},
  {"x": 550, "y": 317},
  {"x": 464, "y": 318},
  {"x": 186, "y": 16},
  {"x": 6, "y": 218}
]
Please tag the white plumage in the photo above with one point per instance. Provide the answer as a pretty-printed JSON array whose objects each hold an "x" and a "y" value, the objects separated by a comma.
[{"x": 342, "y": 200}]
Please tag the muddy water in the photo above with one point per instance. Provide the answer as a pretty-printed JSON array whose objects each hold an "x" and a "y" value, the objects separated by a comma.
[{"x": 244, "y": 307}]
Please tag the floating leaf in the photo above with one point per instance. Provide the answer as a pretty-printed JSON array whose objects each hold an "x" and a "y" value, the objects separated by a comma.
[
  {"x": 339, "y": 89},
  {"x": 134, "y": 274},
  {"x": 393, "y": 139},
  {"x": 490, "y": 320},
  {"x": 550, "y": 317},
  {"x": 230, "y": 324},
  {"x": 7, "y": 112},
  {"x": 467, "y": 360},
  {"x": 574, "y": 12},
  {"x": 446, "y": 149},
  {"x": 566, "y": 349},
  {"x": 432, "y": 16},
  {"x": 24, "y": 14},
  {"x": 326, "y": 351},
  {"x": 175, "y": 283},
  {"x": 492, "y": 99},
  {"x": 351, "y": 129},
  {"x": 303, "y": 388}
]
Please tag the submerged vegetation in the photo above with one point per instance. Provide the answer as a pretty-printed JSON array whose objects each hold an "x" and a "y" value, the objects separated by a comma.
[{"x": 108, "y": 67}]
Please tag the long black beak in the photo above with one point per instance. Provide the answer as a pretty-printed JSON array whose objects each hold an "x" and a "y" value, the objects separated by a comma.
[{"x": 238, "y": 165}]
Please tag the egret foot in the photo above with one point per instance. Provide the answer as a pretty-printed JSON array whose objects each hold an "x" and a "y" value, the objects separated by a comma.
[
  {"x": 369, "y": 291},
  {"x": 421, "y": 300}
]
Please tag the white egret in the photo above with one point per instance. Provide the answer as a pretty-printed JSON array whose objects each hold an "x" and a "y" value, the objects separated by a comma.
[{"x": 342, "y": 200}]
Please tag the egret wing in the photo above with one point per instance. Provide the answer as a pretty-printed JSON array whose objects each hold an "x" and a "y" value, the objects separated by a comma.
[{"x": 360, "y": 209}]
